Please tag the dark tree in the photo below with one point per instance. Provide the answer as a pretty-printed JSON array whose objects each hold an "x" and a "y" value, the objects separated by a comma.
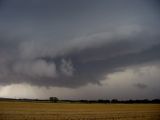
[
  {"x": 114, "y": 101},
  {"x": 53, "y": 99}
]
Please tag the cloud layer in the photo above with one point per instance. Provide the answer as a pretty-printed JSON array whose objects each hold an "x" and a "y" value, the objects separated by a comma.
[{"x": 68, "y": 44}]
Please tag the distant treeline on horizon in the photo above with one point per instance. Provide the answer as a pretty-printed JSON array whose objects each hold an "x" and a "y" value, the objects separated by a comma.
[{"x": 56, "y": 100}]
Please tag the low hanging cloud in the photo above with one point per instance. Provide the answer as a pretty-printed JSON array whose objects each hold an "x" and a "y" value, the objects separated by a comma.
[
  {"x": 141, "y": 85},
  {"x": 50, "y": 49},
  {"x": 75, "y": 66},
  {"x": 38, "y": 68},
  {"x": 67, "y": 68}
]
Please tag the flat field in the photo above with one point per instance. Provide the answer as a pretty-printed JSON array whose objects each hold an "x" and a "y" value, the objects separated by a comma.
[{"x": 73, "y": 111}]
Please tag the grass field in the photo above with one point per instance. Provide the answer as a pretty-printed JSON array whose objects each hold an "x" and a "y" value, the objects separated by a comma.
[{"x": 69, "y": 111}]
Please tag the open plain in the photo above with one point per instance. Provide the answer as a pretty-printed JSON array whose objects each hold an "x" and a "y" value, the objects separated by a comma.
[{"x": 77, "y": 111}]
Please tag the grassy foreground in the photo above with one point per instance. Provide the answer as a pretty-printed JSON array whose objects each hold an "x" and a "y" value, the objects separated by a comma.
[{"x": 66, "y": 111}]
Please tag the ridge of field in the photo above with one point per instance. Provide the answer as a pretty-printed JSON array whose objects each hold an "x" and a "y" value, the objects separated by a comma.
[{"x": 77, "y": 111}]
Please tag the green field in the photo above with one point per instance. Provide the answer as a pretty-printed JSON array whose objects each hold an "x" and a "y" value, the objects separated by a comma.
[{"x": 73, "y": 111}]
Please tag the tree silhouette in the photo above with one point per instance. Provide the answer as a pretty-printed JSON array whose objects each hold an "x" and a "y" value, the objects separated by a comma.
[{"x": 53, "y": 99}]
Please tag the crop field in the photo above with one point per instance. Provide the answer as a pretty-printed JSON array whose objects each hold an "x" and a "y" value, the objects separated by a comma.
[{"x": 75, "y": 111}]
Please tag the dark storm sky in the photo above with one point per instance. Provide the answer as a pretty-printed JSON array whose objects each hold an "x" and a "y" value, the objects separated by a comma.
[{"x": 71, "y": 44}]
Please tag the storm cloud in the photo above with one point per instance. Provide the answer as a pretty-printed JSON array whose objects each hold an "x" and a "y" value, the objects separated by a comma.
[
  {"x": 140, "y": 85},
  {"x": 74, "y": 43}
]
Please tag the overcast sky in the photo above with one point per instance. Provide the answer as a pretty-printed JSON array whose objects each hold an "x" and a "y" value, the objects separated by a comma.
[{"x": 80, "y": 49}]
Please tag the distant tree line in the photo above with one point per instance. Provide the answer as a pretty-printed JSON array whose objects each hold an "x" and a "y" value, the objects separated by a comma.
[
  {"x": 114, "y": 101},
  {"x": 105, "y": 101}
]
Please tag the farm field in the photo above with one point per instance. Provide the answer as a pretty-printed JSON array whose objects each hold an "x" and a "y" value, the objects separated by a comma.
[{"x": 75, "y": 111}]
